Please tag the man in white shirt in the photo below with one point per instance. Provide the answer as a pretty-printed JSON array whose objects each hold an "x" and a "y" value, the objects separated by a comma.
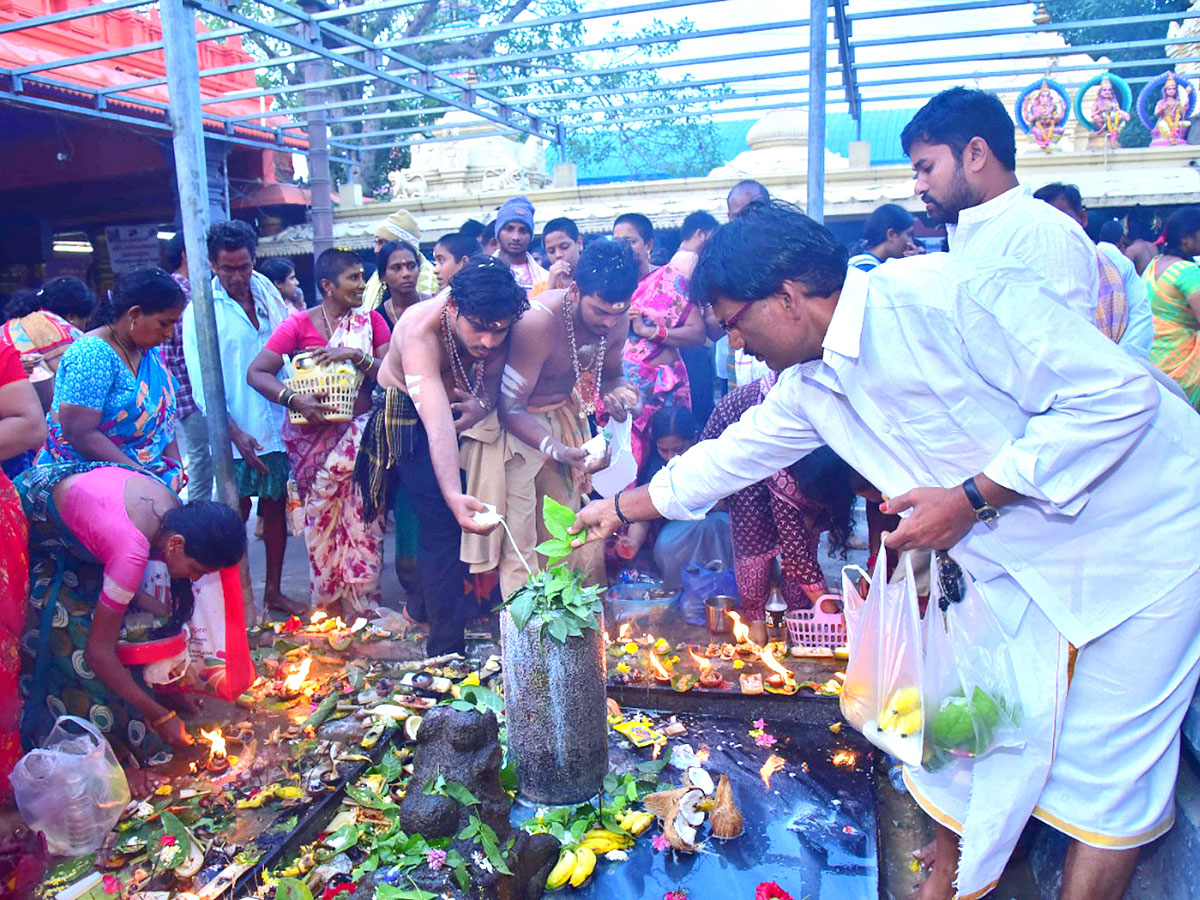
[
  {"x": 1050, "y": 464},
  {"x": 1139, "y": 331},
  {"x": 963, "y": 151}
]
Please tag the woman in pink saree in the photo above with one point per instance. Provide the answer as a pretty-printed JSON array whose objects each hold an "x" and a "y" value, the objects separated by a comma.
[{"x": 346, "y": 550}]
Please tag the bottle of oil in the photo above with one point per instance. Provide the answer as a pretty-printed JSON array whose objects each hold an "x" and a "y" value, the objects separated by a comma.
[{"x": 776, "y": 608}]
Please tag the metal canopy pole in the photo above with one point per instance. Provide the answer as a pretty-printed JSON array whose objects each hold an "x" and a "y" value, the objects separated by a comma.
[
  {"x": 183, "y": 80},
  {"x": 815, "y": 186},
  {"x": 316, "y": 73}
]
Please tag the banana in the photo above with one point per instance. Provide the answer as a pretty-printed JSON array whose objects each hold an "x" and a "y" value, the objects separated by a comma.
[
  {"x": 601, "y": 841},
  {"x": 585, "y": 863},
  {"x": 562, "y": 870},
  {"x": 888, "y": 720},
  {"x": 906, "y": 700},
  {"x": 909, "y": 723},
  {"x": 637, "y": 822}
]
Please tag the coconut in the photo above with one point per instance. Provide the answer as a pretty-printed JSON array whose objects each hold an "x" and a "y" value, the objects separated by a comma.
[
  {"x": 697, "y": 777},
  {"x": 663, "y": 803},
  {"x": 726, "y": 818},
  {"x": 687, "y": 808}
]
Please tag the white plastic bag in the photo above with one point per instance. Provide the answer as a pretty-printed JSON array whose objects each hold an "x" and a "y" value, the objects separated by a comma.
[
  {"x": 882, "y": 693},
  {"x": 970, "y": 686},
  {"x": 72, "y": 790},
  {"x": 852, "y": 600},
  {"x": 622, "y": 467}
]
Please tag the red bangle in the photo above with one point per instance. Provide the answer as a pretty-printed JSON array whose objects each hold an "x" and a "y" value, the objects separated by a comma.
[{"x": 660, "y": 333}]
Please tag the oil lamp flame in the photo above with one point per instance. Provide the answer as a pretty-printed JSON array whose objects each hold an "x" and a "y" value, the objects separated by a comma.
[
  {"x": 703, "y": 663},
  {"x": 773, "y": 764},
  {"x": 702, "y": 755},
  {"x": 660, "y": 671},
  {"x": 845, "y": 758},
  {"x": 318, "y": 617},
  {"x": 772, "y": 663},
  {"x": 338, "y": 624},
  {"x": 295, "y": 682},
  {"x": 624, "y": 632},
  {"x": 217, "y": 742},
  {"x": 657, "y": 749},
  {"x": 741, "y": 631}
]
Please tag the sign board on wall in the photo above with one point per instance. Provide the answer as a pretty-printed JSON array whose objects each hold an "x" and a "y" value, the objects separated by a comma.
[{"x": 132, "y": 246}]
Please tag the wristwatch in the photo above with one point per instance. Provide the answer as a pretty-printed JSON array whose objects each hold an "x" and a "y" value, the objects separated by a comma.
[{"x": 984, "y": 511}]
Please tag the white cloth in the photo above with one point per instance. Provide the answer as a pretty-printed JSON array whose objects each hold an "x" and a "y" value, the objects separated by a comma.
[
  {"x": 536, "y": 273},
  {"x": 747, "y": 368},
  {"x": 1139, "y": 333},
  {"x": 1047, "y": 240},
  {"x": 938, "y": 367},
  {"x": 240, "y": 343}
]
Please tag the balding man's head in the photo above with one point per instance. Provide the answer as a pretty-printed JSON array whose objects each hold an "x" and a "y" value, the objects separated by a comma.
[{"x": 743, "y": 194}]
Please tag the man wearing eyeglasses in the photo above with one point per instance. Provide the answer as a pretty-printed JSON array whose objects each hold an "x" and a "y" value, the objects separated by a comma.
[
  {"x": 248, "y": 308},
  {"x": 1053, "y": 470}
]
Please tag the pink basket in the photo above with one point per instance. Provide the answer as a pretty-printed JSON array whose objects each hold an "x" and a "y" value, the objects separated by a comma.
[{"x": 814, "y": 628}]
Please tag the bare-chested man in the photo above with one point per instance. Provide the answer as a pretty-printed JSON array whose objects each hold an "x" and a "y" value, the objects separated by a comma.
[
  {"x": 440, "y": 376},
  {"x": 565, "y": 359}
]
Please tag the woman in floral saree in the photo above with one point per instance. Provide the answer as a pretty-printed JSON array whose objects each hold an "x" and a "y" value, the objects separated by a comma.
[{"x": 346, "y": 550}]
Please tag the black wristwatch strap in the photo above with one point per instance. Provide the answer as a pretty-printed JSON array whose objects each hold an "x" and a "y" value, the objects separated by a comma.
[
  {"x": 617, "y": 507},
  {"x": 984, "y": 510}
]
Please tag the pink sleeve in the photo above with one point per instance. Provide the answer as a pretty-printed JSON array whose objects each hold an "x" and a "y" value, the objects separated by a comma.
[
  {"x": 285, "y": 340},
  {"x": 114, "y": 541},
  {"x": 380, "y": 333}
]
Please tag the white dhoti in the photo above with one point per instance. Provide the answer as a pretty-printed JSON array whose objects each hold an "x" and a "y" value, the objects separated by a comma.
[{"x": 1102, "y": 751}]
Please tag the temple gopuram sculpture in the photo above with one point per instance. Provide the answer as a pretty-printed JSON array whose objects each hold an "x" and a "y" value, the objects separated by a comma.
[
  {"x": 1174, "y": 101},
  {"x": 1108, "y": 112},
  {"x": 1042, "y": 113}
]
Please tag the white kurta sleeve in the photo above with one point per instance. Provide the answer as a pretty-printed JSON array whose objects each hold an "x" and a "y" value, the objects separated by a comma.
[
  {"x": 764, "y": 440},
  {"x": 1089, "y": 402},
  {"x": 191, "y": 357}
]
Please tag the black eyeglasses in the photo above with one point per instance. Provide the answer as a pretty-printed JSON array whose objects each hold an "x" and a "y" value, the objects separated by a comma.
[{"x": 727, "y": 325}]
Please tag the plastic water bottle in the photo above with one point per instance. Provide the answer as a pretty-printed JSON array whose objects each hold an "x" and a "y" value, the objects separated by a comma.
[
  {"x": 776, "y": 610},
  {"x": 79, "y": 825}
]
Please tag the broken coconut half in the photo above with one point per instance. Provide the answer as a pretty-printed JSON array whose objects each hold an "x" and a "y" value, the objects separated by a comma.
[
  {"x": 696, "y": 777},
  {"x": 725, "y": 817},
  {"x": 679, "y": 814}
]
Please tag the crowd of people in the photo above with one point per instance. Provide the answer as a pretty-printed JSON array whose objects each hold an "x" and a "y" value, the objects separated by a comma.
[{"x": 976, "y": 393}]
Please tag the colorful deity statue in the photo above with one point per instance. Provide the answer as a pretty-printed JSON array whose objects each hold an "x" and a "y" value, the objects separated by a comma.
[
  {"x": 1170, "y": 114},
  {"x": 1045, "y": 113},
  {"x": 1107, "y": 116}
]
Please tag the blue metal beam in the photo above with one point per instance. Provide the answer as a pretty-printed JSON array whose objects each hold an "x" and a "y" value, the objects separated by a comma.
[{"x": 67, "y": 15}]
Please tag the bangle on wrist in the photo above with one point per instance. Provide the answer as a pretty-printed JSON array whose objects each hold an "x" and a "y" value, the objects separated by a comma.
[
  {"x": 660, "y": 333},
  {"x": 163, "y": 720},
  {"x": 282, "y": 393},
  {"x": 617, "y": 507}
]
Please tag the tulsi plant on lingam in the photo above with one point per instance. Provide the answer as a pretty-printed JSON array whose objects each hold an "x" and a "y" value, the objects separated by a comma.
[{"x": 557, "y": 598}]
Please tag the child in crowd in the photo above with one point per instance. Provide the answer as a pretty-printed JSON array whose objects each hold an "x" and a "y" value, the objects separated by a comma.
[
  {"x": 450, "y": 254},
  {"x": 283, "y": 275}
]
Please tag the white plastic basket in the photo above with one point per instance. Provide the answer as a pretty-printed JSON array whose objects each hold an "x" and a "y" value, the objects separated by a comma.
[
  {"x": 814, "y": 628},
  {"x": 337, "y": 384}
]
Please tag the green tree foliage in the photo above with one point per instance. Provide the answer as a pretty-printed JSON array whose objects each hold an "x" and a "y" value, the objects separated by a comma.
[
  {"x": 1116, "y": 39},
  {"x": 439, "y": 32}
]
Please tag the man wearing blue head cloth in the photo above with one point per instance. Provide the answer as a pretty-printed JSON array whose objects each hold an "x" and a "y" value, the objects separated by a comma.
[{"x": 514, "y": 230}]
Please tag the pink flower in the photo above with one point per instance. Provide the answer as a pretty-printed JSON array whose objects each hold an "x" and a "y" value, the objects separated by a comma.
[
  {"x": 167, "y": 840},
  {"x": 660, "y": 843},
  {"x": 679, "y": 894},
  {"x": 112, "y": 884},
  {"x": 435, "y": 859},
  {"x": 760, "y": 724},
  {"x": 765, "y": 740}
]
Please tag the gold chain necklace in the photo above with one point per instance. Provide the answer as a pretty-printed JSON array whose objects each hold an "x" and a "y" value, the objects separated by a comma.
[
  {"x": 589, "y": 404},
  {"x": 460, "y": 373},
  {"x": 121, "y": 349}
]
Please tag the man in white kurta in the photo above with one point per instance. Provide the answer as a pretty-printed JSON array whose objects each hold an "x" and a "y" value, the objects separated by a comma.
[{"x": 939, "y": 369}]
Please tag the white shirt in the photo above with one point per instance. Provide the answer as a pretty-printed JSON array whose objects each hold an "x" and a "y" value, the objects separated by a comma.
[
  {"x": 1047, "y": 240},
  {"x": 936, "y": 368},
  {"x": 1139, "y": 333},
  {"x": 240, "y": 343}
]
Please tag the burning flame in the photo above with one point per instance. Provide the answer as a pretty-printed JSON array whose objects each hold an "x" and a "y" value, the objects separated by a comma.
[
  {"x": 659, "y": 670},
  {"x": 702, "y": 755},
  {"x": 338, "y": 624},
  {"x": 624, "y": 632},
  {"x": 741, "y": 631},
  {"x": 773, "y": 764},
  {"x": 657, "y": 749},
  {"x": 703, "y": 663},
  {"x": 217, "y": 740},
  {"x": 845, "y": 758},
  {"x": 772, "y": 663},
  {"x": 318, "y": 617},
  {"x": 295, "y": 681}
]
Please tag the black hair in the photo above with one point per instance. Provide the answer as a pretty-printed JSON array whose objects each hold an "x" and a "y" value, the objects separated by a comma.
[
  {"x": 333, "y": 262},
  {"x": 608, "y": 270},
  {"x": 1140, "y": 224},
  {"x": 1112, "y": 231},
  {"x": 957, "y": 115},
  {"x": 231, "y": 236},
  {"x": 277, "y": 268},
  {"x": 670, "y": 420},
  {"x": 64, "y": 296},
  {"x": 1179, "y": 225},
  {"x": 1053, "y": 191},
  {"x": 825, "y": 477},
  {"x": 889, "y": 217},
  {"x": 459, "y": 245},
  {"x": 756, "y": 189},
  {"x": 486, "y": 290},
  {"x": 563, "y": 224},
  {"x": 213, "y": 534},
  {"x": 472, "y": 229},
  {"x": 697, "y": 221},
  {"x": 385, "y": 253},
  {"x": 641, "y": 224},
  {"x": 173, "y": 254},
  {"x": 151, "y": 289},
  {"x": 750, "y": 257},
  {"x": 488, "y": 234}
]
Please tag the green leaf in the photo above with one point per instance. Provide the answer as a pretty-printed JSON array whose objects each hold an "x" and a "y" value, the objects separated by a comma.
[
  {"x": 169, "y": 857},
  {"x": 456, "y": 791},
  {"x": 395, "y": 892},
  {"x": 558, "y": 518},
  {"x": 522, "y": 607},
  {"x": 558, "y": 629},
  {"x": 463, "y": 876},
  {"x": 555, "y": 549},
  {"x": 292, "y": 889}
]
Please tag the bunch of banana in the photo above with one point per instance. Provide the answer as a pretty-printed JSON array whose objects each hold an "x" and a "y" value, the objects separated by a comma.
[
  {"x": 573, "y": 866},
  {"x": 903, "y": 712},
  {"x": 601, "y": 841},
  {"x": 635, "y": 822}
]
